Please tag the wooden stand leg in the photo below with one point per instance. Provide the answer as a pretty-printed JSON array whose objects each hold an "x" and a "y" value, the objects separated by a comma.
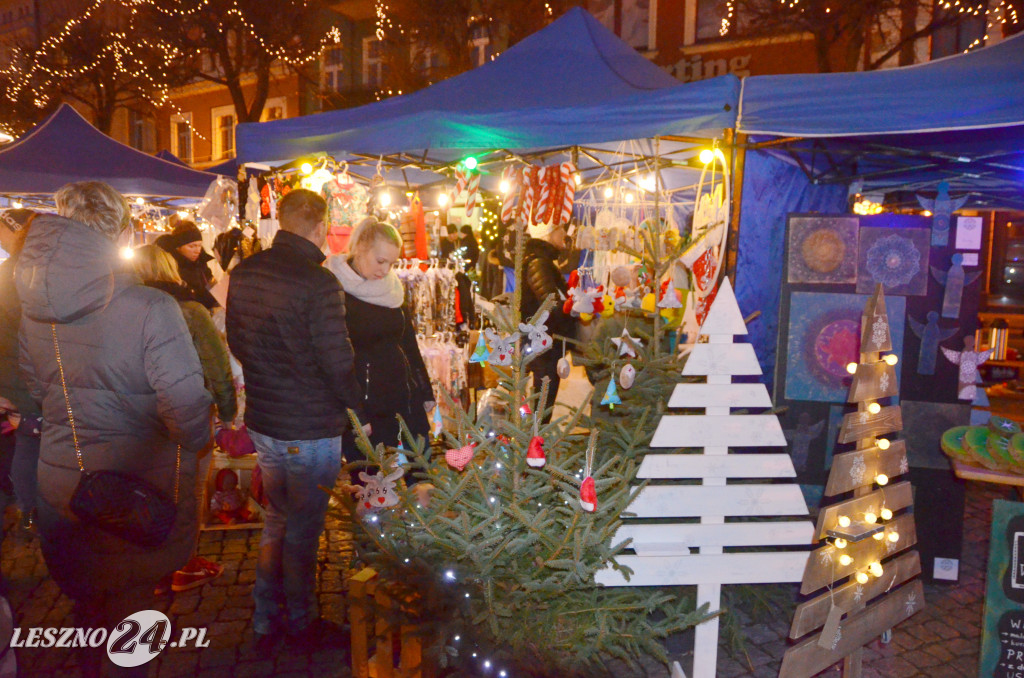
[
  {"x": 359, "y": 615},
  {"x": 705, "y": 644},
  {"x": 385, "y": 635}
]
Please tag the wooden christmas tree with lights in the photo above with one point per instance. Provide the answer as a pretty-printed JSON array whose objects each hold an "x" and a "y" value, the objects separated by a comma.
[
  {"x": 687, "y": 553},
  {"x": 863, "y": 563}
]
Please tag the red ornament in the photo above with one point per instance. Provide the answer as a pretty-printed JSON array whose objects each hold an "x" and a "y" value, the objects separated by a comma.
[
  {"x": 458, "y": 458},
  {"x": 588, "y": 495},
  {"x": 535, "y": 453}
]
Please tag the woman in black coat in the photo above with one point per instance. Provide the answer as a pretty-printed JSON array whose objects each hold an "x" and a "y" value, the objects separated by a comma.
[
  {"x": 388, "y": 363},
  {"x": 185, "y": 244}
]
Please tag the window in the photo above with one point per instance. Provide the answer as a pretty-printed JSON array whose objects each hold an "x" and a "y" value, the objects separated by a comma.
[
  {"x": 276, "y": 108},
  {"x": 181, "y": 136},
  {"x": 373, "y": 62},
  {"x": 966, "y": 32},
  {"x": 425, "y": 60},
  {"x": 141, "y": 132},
  {"x": 480, "y": 44},
  {"x": 223, "y": 118},
  {"x": 332, "y": 68},
  {"x": 710, "y": 15}
]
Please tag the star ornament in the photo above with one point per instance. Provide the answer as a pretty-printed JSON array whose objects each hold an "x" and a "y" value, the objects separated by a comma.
[{"x": 626, "y": 343}]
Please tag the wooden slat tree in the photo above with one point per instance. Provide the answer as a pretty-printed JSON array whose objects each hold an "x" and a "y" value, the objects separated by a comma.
[
  {"x": 687, "y": 552},
  {"x": 862, "y": 558}
]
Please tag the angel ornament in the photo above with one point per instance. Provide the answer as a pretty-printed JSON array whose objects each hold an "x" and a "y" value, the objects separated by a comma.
[
  {"x": 537, "y": 333},
  {"x": 800, "y": 438},
  {"x": 941, "y": 207},
  {"x": 954, "y": 280},
  {"x": 968, "y": 359},
  {"x": 931, "y": 335}
]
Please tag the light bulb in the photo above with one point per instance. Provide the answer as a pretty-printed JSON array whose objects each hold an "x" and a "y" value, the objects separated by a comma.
[
  {"x": 487, "y": 664},
  {"x": 891, "y": 359},
  {"x": 504, "y": 186},
  {"x": 882, "y": 479},
  {"x": 870, "y": 517},
  {"x": 862, "y": 578},
  {"x": 844, "y": 521},
  {"x": 706, "y": 156},
  {"x": 127, "y": 253},
  {"x": 577, "y": 178},
  {"x": 874, "y": 408},
  {"x": 470, "y": 163},
  {"x": 442, "y": 199},
  {"x": 875, "y": 568},
  {"x": 883, "y": 444},
  {"x": 840, "y": 543},
  {"x": 449, "y": 575},
  {"x": 877, "y": 536},
  {"x": 894, "y": 537},
  {"x": 886, "y": 514},
  {"x": 17, "y": 204},
  {"x": 140, "y": 201},
  {"x": 629, "y": 197},
  {"x": 608, "y": 193},
  {"x": 306, "y": 168},
  {"x": 385, "y": 199},
  {"x": 851, "y": 368},
  {"x": 845, "y": 560}
]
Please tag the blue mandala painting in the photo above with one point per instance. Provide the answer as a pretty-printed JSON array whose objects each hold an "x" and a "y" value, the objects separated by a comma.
[
  {"x": 824, "y": 337},
  {"x": 895, "y": 257}
]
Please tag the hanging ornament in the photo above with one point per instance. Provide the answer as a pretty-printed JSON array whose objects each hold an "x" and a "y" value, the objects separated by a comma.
[
  {"x": 501, "y": 349},
  {"x": 535, "y": 453},
  {"x": 626, "y": 344},
  {"x": 524, "y": 409},
  {"x": 438, "y": 421},
  {"x": 669, "y": 297},
  {"x": 537, "y": 333},
  {"x": 480, "y": 354},
  {"x": 588, "y": 489},
  {"x": 457, "y": 458},
  {"x": 587, "y": 301},
  {"x": 627, "y": 375},
  {"x": 378, "y": 491},
  {"x": 563, "y": 368},
  {"x": 609, "y": 306},
  {"x": 611, "y": 395},
  {"x": 402, "y": 459}
]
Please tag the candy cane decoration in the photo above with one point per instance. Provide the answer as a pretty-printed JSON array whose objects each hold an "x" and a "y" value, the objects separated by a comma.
[
  {"x": 568, "y": 173},
  {"x": 511, "y": 199},
  {"x": 473, "y": 189},
  {"x": 529, "y": 182},
  {"x": 543, "y": 204}
]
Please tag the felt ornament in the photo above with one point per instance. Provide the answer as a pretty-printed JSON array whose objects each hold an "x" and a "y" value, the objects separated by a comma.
[
  {"x": 563, "y": 368},
  {"x": 537, "y": 333},
  {"x": 649, "y": 303},
  {"x": 524, "y": 409},
  {"x": 378, "y": 491},
  {"x": 611, "y": 395},
  {"x": 588, "y": 489},
  {"x": 438, "y": 421},
  {"x": 627, "y": 375},
  {"x": 586, "y": 301},
  {"x": 400, "y": 448},
  {"x": 626, "y": 344},
  {"x": 535, "y": 452},
  {"x": 458, "y": 457},
  {"x": 631, "y": 299},
  {"x": 501, "y": 349},
  {"x": 609, "y": 306},
  {"x": 669, "y": 296},
  {"x": 480, "y": 354}
]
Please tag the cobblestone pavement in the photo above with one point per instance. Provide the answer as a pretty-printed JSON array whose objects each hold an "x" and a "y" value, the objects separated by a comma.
[{"x": 942, "y": 640}]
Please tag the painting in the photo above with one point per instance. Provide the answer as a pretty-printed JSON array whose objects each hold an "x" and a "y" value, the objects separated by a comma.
[
  {"x": 923, "y": 426},
  {"x": 824, "y": 337},
  {"x": 1001, "y": 642},
  {"x": 821, "y": 250},
  {"x": 895, "y": 257}
]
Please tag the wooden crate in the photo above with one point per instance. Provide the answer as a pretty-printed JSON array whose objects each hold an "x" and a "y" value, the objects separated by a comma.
[
  {"x": 374, "y": 640},
  {"x": 243, "y": 466}
]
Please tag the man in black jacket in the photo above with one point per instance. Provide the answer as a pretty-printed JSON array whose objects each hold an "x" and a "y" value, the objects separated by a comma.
[
  {"x": 286, "y": 325},
  {"x": 542, "y": 277}
]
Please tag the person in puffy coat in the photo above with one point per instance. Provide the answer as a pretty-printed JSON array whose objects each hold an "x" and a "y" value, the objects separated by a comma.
[
  {"x": 185, "y": 244},
  {"x": 137, "y": 400}
]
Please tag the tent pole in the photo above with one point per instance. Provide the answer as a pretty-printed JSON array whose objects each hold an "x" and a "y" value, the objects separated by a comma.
[{"x": 736, "y": 143}]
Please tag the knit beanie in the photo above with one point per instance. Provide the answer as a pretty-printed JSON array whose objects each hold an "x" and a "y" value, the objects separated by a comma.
[
  {"x": 16, "y": 219},
  {"x": 185, "y": 232}
]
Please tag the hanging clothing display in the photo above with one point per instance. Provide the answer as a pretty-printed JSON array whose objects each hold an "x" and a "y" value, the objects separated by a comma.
[
  {"x": 220, "y": 204},
  {"x": 446, "y": 365},
  {"x": 346, "y": 206},
  {"x": 430, "y": 296}
]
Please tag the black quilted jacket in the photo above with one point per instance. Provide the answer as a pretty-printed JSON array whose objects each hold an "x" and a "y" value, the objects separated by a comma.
[
  {"x": 542, "y": 277},
  {"x": 286, "y": 325}
]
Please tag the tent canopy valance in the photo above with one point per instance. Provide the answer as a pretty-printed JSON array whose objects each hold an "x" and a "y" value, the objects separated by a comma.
[{"x": 65, "y": 148}]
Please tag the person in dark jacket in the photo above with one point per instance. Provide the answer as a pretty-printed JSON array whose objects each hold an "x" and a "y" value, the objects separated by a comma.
[
  {"x": 121, "y": 389},
  {"x": 19, "y": 449},
  {"x": 286, "y": 326},
  {"x": 185, "y": 244},
  {"x": 470, "y": 247},
  {"x": 541, "y": 278},
  {"x": 388, "y": 361}
]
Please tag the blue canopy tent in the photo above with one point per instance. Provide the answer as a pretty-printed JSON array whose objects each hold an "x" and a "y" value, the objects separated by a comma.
[
  {"x": 571, "y": 84},
  {"x": 808, "y": 138},
  {"x": 65, "y": 148}
]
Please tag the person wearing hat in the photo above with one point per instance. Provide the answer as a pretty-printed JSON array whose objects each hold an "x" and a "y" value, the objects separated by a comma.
[
  {"x": 185, "y": 244},
  {"x": 19, "y": 442}
]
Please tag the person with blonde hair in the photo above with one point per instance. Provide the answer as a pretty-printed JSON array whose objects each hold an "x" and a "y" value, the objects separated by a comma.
[
  {"x": 159, "y": 271},
  {"x": 121, "y": 389},
  {"x": 388, "y": 363}
]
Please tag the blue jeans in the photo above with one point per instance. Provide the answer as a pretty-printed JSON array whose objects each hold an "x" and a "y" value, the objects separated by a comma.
[{"x": 296, "y": 507}]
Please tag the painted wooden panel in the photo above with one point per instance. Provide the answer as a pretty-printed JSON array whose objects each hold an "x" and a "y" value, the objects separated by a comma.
[
  {"x": 859, "y": 425},
  {"x": 897, "y": 496},
  {"x": 727, "y": 568},
  {"x": 716, "y": 466},
  {"x": 808, "y": 658},
  {"x": 728, "y": 359},
  {"x": 725, "y": 316},
  {"x": 717, "y": 395},
  {"x": 857, "y": 468},
  {"x": 811, "y": 615},
  {"x": 873, "y": 381},
  {"x": 875, "y": 335},
  {"x": 679, "y": 537},
  {"x": 709, "y": 430},
  {"x": 823, "y": 567},
  {"x": 684, "y": 501}
]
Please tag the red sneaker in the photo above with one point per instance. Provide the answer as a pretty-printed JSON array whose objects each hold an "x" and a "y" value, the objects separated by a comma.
[{"x": 197, "y": 572}]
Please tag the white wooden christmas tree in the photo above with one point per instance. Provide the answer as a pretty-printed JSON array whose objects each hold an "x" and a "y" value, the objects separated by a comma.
[
  {"x": 859, "y": 571},
  {"x": 688, "y": 553}
]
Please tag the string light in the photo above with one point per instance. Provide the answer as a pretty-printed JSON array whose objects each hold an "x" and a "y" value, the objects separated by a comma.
[
  {"x": 891, "y": 359},
  {"x": 882, "y": 479},
  {"x": 840, "y": 543},
  {"x": 870, "y": 517},
  {"x": 886, "y": 514},
  {"x": 844, "y": 521},
  {"x": 883, "y": 444},
  {"x": 877, "y": 536},
  {"x": 845, "y": 560},
  {"x": 862, "y": 578},
  {"x": 874, "y": 408},
  {"x": 894, "y": 537},
  {"x": 875, "y": 568},
  {"x": 851, "y": 368}
]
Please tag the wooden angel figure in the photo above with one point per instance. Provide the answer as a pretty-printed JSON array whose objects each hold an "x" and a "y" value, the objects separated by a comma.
[
  {"x": 800, "y": 438},
  {"x": 931, "y": 335},
  {"x": 955, "y": 279},
  {"x": 941, "y": 207},
  {"x": 968, "y": 359}
]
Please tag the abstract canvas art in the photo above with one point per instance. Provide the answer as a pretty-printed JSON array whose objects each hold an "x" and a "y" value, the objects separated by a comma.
[
  {"x": 895, "y": 257},
  {"x": 824, "y": 336},
  {"x": 822, "y": 250}
]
